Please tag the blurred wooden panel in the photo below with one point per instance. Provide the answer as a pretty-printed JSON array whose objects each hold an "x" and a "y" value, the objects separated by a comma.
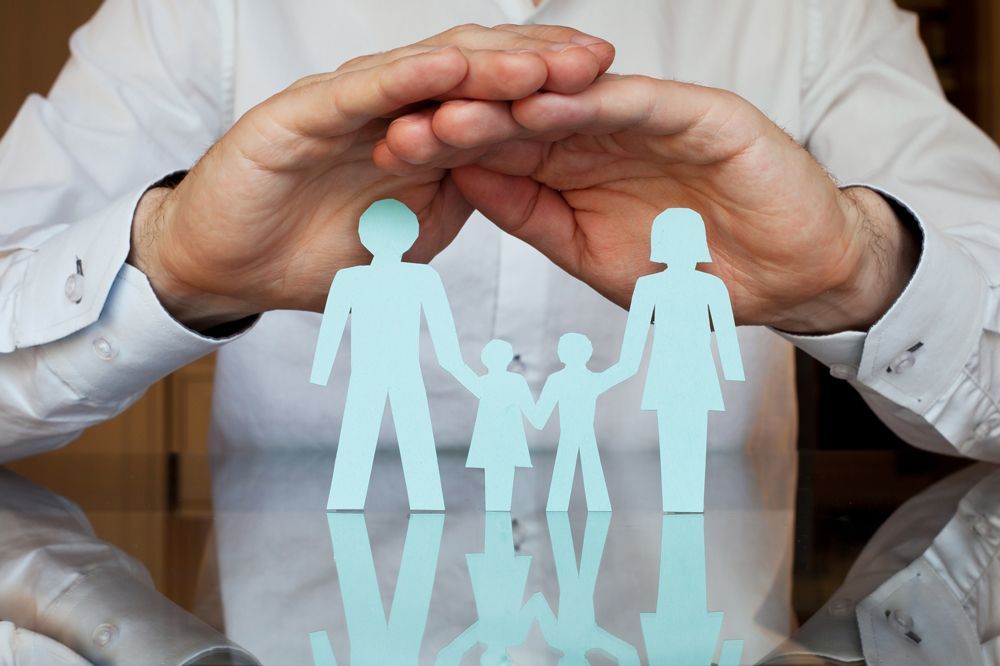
[
  {"x": 190, "y": 404},
  {"x": 34, "y": 36}
]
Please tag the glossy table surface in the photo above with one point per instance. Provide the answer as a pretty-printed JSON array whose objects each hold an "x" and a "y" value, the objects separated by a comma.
[{"x": 277, "y": 574}]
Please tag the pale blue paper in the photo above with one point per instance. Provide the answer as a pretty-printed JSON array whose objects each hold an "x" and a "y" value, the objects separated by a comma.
[
  {"x": 732, "y": 652},
  {"x": 682, "y": 630},
  {"x": 682, "y": 384},
  {"x": 375, "y": 641},
  {"x": 499, "y": 445},
  {"x": 498, "y": 578},
  {"x": 574, "y": 630},
  {"x": 575, "y": 390},
  {"x": 384, "y": 302}
]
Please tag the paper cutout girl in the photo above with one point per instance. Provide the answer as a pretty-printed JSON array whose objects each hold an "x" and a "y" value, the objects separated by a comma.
[
  {"x": 575, "y": 389},
  {"x": 499, "y": 445},
  {"x": 682, "y": 384},
  {"x": 498, "y": 576}
]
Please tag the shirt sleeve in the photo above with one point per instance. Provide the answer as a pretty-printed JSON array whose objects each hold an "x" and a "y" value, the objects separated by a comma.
[
  {"x": 874, "y": 113},
  {"x": 144, "y": 93}
]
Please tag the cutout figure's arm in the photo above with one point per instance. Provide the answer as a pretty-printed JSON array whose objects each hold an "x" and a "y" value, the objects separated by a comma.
[
  {"x": 538, "y": 415},
  {"x": 451, "y": 654},
  {"x": 338, "y": 307},
  {"x": 441, "y": 326},
  {"x": 721, "y": 309},
  {"x": 640, "y": 314}
]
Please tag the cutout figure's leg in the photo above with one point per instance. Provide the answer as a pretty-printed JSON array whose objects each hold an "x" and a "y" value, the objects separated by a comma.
[
  {"x": 595, "y": 488},
  {"x": 683, "y": 450},
  {"x": 352, "y": 468},
  {"x": 412, "y": 416},
  {"x": 499, "y": 488},
  {"x": 563, "y": 470},
  {"x": 322, "y": 651}
]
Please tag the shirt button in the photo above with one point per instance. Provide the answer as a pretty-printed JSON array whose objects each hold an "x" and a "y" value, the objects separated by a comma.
[
  {"x": 518, "y": 364},
  {"x": 843, "y": 371},
  {"x": 841, "y": 607},
  {"x": 902, "y": 620},
  {"x": 104, "y": 635},
  {"x": 74, "y": 287},
  {"x": 903, "y": 362},
  {"x": 104, "y": 349}
]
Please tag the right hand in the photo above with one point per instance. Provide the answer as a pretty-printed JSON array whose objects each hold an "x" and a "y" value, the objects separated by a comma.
[{"x": 269, "y": 214}]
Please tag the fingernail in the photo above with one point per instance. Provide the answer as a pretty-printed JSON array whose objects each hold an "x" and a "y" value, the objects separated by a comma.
[
  {"x": 586, "y": 40},
  {"x": 562, "y": 46}
]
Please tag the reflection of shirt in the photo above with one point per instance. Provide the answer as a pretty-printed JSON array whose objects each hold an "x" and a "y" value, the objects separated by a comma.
[{"x": 152, "y": 85}]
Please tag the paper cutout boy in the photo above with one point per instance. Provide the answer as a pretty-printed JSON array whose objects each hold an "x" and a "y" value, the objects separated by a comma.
[
  {"x": 682, "y": 384},
  {"x": 384, "y": 301},
  {"x": 574, "y": 630},
  {"x": 499, "y": 445},
  {"x": 575, "y": 389}
]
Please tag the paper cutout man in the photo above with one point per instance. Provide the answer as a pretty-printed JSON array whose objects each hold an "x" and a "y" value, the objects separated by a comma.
[
  {"x": 682, "y": 384},
  {"x": 682, "y": 630},
  {"x": 375, "y": 641},
  {"x": 384, "y": 301},
  {"x": 498, "y": 578},
  {"x": 574, "y": 631},
  {"x": 499, "y": 445},
  {"x": 575, "y": 390}
]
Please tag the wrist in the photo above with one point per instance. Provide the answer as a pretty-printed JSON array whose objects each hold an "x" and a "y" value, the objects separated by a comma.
[
  {"x": 192, "y": 307},
  {"x": 881, "y": 261}
]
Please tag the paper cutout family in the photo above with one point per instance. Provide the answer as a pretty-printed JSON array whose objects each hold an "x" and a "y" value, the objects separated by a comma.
[
  {"x": 679, "y": 631},
  {"x": 384, "y": 301}
]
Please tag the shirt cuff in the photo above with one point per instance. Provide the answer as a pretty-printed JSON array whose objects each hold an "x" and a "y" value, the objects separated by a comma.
[
  {"x": 110, "y": 617},
  {"x": 67, "y": 280},
  {"x": 134, "y": 343},
  {"x": 919, "y": 347}
]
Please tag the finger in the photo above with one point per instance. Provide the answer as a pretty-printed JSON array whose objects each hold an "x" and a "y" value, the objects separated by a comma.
[
  {"x": 526, "y": 209},
  {"x": 570, "y": 65},
  {"x": 602, "y": 49},
  {"x": 701, "y": 123},
  {"x": 412, "y": 139},
  {"x": 472, "y": 123},
  {"x": 341, "y": 104},
  {"x": 450, "y": 211}
]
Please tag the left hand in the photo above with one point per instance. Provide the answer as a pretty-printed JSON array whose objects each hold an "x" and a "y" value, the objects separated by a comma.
[{"x": 581, "y": 177}]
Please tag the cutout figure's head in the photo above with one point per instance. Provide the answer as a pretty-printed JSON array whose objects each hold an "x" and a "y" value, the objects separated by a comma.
[
  {"x": 575, "y": 349},
  {"x": 497, "y": 355},
  {"x": 388, "y": 228},
  {"x": 678, "y": 238}
]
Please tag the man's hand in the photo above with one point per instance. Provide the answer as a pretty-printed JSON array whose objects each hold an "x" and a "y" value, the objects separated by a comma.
[
  {"x": 269, "y": 214},
  {"x": 581, "y": 177}
]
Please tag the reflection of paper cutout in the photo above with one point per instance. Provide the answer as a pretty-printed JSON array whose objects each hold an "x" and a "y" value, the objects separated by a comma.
[
  {"x": 732, "y": 652},
  {"x": 682, "y": 384},
  {"x": 375, "y": 641},
  {"x": 575, "y": 389},
  {"x": 574, "y": 630},
  {"x": 498, "y": 578},
  {"x": 384, "y": 302},
  {"x": 682, "y": 630},
  {"x": 499, "y": 444}
]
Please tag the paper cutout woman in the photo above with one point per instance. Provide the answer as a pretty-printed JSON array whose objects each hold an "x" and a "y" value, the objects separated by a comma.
[
  {"x": 575, "y": 389},
  {"x": 498, "y": 577},
  {"x": 682, "y": 384},
  {"x": 499, "y": 445}
]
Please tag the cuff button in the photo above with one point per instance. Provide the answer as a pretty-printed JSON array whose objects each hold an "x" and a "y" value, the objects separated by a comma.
[
  {"x": 104, "y": 349},
  {"x": 73, "y": 289}
]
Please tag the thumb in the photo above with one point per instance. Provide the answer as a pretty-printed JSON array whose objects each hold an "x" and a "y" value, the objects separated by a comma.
[{"x": 526, "y": 209}]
